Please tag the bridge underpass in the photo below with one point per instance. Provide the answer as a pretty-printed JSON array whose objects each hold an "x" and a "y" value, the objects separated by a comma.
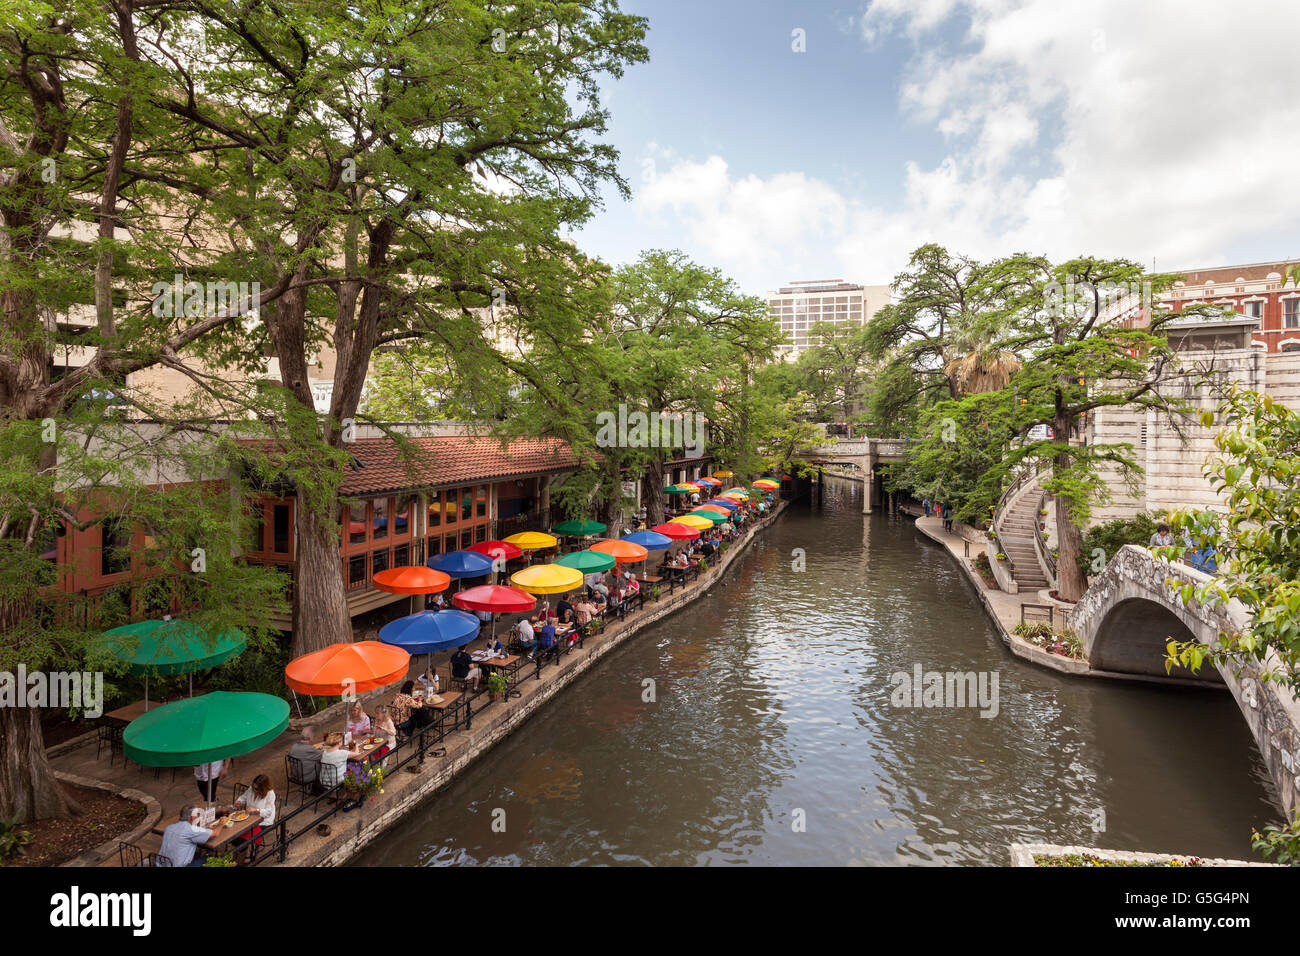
[
  {"x": 1132, "y": 610},
  {"x": 862, "y": 456}
]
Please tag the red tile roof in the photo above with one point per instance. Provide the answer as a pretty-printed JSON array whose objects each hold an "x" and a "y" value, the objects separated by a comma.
[{"x": 380, "y": 465}]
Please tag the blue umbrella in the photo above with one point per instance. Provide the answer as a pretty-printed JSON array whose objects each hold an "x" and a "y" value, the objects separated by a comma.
[
  {"x": 429, "y": 631},
  {"x": 650, "y": 540},
  {"x": 725, "y": 503},
  {"x": 461, "y": 564}
]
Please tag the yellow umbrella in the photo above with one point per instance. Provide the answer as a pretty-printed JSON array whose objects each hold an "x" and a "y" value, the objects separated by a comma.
[
  {"x": 694, "y": 521},
  {"x": 532, "y": 540},
  {"x": 735, "y": 496},
  {"x": 547, "y": 579},
  {"x": 723, "y": 474}
]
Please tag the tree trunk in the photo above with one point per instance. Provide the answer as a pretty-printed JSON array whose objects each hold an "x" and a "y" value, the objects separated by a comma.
[
  {"x": 28, "y": 788},
  {"x": 320, "y": 603},
  {"x": 1070, "y": 581},
  {"x": 654, "y": 493}
]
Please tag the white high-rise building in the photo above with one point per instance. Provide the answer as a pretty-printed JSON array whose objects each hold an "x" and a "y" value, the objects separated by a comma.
[{"x": 800, "y": 306}]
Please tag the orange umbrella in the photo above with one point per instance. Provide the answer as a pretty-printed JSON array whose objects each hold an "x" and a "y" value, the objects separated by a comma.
[
  {"x": 413, "y": 579},
  {"x": 624, "y": 552},
  {"x": 347, "y": 668},
  {"x": 718, "y": 508}
]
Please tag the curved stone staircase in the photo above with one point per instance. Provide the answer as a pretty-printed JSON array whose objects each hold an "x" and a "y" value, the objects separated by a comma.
[{"x": 1017, "y": 528}]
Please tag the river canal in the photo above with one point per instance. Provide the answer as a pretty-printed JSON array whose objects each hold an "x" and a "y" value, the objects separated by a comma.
[{"x": 772, "y": 738}]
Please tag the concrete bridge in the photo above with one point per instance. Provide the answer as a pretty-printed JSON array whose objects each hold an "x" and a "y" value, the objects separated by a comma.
[
  {"x": 1130, "y": 612},
  {"x": 862, "y": 455}
]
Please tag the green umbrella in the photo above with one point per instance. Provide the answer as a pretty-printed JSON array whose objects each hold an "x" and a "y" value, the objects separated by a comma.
[
  {"x": 159, "y": 648},
  {"x": 201, "y": 729},
  {"x": 711, "y": 515},
  {"x": 588, "y": 562},
  {"x": 679, "y": 490},
  {"x": 578, "y": 528}
]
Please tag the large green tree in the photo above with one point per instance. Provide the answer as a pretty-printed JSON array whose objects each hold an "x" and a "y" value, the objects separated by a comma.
[{"x": 393, "y": 170}]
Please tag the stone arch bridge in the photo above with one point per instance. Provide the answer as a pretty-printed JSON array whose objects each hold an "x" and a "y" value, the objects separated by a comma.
[
  {"x": 1130, "y": 612},
  {"x": 862, "y": 454}
]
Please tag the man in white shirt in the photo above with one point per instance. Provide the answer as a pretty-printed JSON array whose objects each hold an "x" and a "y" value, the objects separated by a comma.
[
  {"x": 527, "y": 639},
  {"x": 208, "y": 775},
  {"x": 181, "y": 839}
]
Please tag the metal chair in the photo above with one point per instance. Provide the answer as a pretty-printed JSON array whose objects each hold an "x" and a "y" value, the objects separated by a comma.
[
  {"x": 108, "y": 735},
  {"x": 129, "y": 855},
  {"x": 299, "y": 777},
  {"x": 157, "y": 859}
]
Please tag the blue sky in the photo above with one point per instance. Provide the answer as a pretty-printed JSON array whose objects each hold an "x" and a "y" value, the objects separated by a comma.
[{"x": 992, "y": 126}]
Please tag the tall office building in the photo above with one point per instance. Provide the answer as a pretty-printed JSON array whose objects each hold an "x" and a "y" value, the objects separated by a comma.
[{"x": 800, "y": 306}]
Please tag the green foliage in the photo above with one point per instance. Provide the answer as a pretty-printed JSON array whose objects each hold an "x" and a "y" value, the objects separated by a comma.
[
  {"x": 497, "y": 683},
  {"x": 13, "y": 840},
  {"x": 1279, "y": 843},
  {"x": 220, "y": 859},
  {"x": 1255, "y": 471},
  {"x": 1102, "y": 542}
]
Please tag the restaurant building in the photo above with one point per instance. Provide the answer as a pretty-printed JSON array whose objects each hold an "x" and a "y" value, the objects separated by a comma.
[{"x": 401, "y": 504}]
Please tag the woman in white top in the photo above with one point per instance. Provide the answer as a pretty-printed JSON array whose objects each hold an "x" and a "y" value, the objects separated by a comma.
[
  {"x": 358, "y": 722},
  {"x": 259, "y": 797}
]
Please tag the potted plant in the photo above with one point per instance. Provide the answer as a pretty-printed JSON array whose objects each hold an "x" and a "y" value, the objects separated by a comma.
[
  {"x": 1001, "y": 556},
  {"x": 223, "y": 859},
  {"x": 363, "y": 781},
  {"x": 496, "y": 684},
  {"x": 653, "y": 592}
]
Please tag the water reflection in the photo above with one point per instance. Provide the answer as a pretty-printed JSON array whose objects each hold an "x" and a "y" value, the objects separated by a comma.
[{"x": 773, "y": 707}]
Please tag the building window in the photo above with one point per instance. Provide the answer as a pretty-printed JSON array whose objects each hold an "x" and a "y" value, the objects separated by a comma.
[
  {"x": 1291, "y": 313},
  {"x": 466, "y": 539},
  {"x": 380, "y": 520},
  {"x": 466, "y": 503},
  {"x": 480, "y": 534},
  {"x": 356, "y": 571},
  {"x": 114, "y": 547},
  {"x": 402, "y": 518},
  {"x": 378, "y": 562},
  {"x": 480, "y": 502},
  {"x": 401, "y": 556},
  {"x": 280, "y": 529},
  {"x": 435, "y": 509},
  {"x": 1255, "y": 309}
]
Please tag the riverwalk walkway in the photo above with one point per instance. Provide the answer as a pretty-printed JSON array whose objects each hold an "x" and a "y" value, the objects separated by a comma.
[
  {"x": 165, "y": 792},
  {"x": 1003, "y": 608}
]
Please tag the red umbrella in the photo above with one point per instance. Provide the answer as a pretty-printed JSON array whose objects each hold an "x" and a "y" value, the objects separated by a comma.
[
  {"x": 412, "y": 580},
  {"x": 496, "y": 549},
  {"x": 676, "y": 531},
  {"x": 494, "y": 597},
  {"x": 497, "y": 598}
]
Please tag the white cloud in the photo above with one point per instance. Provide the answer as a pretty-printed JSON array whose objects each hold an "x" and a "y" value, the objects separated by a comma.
[{"x": 1167, "y": 129}]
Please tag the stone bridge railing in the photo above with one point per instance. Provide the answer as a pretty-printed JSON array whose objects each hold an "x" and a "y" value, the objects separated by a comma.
[
  {"x": 876, "y": 449},
  {"x": 1130, "y": 612}
]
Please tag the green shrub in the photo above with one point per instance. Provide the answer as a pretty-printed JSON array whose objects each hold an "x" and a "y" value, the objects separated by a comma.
[
  {"x": 1113, "y": 535},
  {"x": 13, "y": 840},
  {"x": 1282, "y": 843}
]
